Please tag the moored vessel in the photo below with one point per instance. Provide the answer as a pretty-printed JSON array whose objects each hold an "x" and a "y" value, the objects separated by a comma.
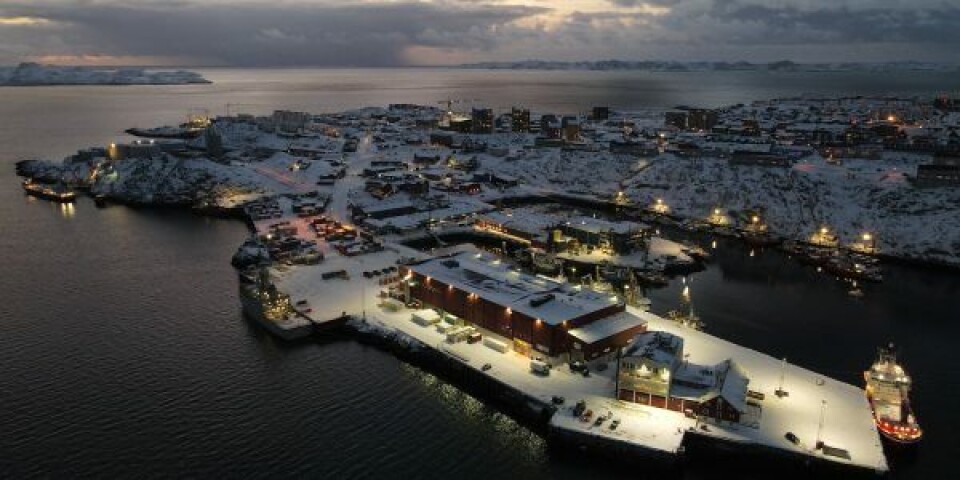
[
  {"x": 888, "y": 390},
  {"x": 57, "y": 193}
]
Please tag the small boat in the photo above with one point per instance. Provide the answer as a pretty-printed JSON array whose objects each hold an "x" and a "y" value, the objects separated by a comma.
[
  {"x": 760, "y": 239},
  {"x": 689, "y": 320},
  {"x": 847, "y": 267},
  {"x": 652, "y": 279},
  {"x": 696, "y": 252},
  {"x": 165, "y": 132},
  {"x": 56, "y": 192},
  {"x": 888, "y": 390}
]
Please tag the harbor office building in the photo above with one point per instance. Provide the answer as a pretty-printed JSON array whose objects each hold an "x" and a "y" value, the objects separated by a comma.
[
  {"x": 621, "y": 238},
  {"x": 540, "y": 316},
  {"x": 653, "y": 372}
]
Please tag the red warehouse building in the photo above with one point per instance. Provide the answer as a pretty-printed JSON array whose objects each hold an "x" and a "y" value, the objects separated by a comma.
[{"x": 536, "y": 313}]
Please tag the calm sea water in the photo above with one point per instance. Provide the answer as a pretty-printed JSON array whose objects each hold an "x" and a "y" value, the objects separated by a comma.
[{"x": 123, "y": 351}]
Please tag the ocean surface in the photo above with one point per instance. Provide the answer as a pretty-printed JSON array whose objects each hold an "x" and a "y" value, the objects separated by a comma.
[{"x": 123, "y": 351}]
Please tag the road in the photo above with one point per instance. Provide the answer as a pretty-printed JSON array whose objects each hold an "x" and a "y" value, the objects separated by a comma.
[{"x": 352, "y": 183}]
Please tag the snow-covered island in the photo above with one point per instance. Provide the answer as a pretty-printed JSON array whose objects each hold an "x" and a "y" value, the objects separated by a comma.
[
  {"x": 572, "y": 213},
  {"x": 35, "y": 74}
]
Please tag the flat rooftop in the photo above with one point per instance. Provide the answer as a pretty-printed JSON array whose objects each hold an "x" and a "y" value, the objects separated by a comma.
[
  {"x": 599, "y": 225},
  {"x": 606, "y": 327},
  {"x": 535, "y": 296}
]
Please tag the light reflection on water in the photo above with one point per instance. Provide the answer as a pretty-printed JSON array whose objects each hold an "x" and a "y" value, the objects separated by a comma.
[
  {"x": 475, "y": 413},
  {"x": 67, "y": 210}
]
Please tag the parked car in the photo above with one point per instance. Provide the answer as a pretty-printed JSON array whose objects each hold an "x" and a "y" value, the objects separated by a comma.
[
  {"x": 614, "y": 424},
  {"x": 578, "y": 366},
  {"x": 539, "y": 367},
  {"x": 586, "y": 416}
]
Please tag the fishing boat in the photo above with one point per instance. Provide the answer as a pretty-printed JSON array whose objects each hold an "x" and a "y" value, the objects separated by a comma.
[
  {"x": 544, "y": 262},
  {"x": 847, "y": 267},
  {"x": 888, "y": 390},
  {"x": 56, "y": 192},
  {"x": 689, "y": 319}
]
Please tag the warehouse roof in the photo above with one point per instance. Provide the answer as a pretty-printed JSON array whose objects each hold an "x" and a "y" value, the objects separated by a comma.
[{"x": 535, "y": 296}]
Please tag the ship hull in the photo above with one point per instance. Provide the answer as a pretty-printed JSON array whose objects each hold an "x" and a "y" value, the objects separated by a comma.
[
  {"x": 253, "y": 310},
  {"x": 888, "y": 429},
  {"x": 61, "y": 197}
]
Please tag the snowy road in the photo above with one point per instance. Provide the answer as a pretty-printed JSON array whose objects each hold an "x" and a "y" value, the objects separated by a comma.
[{"x": 343, "y": 189}]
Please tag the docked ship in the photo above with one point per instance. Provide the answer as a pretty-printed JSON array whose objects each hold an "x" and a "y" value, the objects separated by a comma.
[
  {"x": 759, "y": 239},
  {"x": 268, "y": 307},
  {"x": 888, "y": 390},
  {"x": 544, "y": 262},
  {"x": 851, "y": 268},
  {"x": 56, "y": 192}
]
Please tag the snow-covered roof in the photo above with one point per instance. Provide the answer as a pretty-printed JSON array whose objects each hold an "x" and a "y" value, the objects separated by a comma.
[
  {"x": 660, "y": 347},
  {"x": 598, "y": 225},
  {"x": 537, "y": 297},
  {"x": 377, "y": 207},
  {"x": 607, "y": 327}
]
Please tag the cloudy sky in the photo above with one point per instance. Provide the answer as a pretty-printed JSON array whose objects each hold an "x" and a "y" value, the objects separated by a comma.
[{"x": 432, "y": 32}]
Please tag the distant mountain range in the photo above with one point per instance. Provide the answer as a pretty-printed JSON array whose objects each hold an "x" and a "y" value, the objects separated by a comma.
[
  {"x": 673, "y": 66},
  {"x": 34, "y": 74}
]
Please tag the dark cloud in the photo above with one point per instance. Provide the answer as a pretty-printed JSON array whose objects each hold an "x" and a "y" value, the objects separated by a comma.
[
  {"x": 273, "y": 35},
  {"x": 785, "y": 25},
  {"x": 324, "y": 32}
]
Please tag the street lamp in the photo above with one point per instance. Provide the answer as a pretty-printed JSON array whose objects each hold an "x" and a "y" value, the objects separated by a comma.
[
  {"x": 780, "y": 392},
  {"x": 823, "y": 413}
]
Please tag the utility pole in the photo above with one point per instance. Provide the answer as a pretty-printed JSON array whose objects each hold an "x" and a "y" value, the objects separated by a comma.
[
  {"x": 780, "y": 392},
  {"x": 823, "y": 413}
]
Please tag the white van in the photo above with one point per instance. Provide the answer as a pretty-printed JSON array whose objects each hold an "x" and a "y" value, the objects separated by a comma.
[{"x": 539, "y": 367}]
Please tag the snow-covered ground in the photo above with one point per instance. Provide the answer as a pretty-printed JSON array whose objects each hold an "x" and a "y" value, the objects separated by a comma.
[
  {"x": 848, "y": 422},
  {"x": 857, "y": 197},
  {"x": 853, "y": 198}
]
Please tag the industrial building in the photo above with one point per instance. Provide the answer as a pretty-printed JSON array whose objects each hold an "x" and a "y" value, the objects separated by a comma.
[
  {"x": 538, "y": 315},
  {"x": 653, "y": 371},
  {"x": 617, "y": 237}
]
